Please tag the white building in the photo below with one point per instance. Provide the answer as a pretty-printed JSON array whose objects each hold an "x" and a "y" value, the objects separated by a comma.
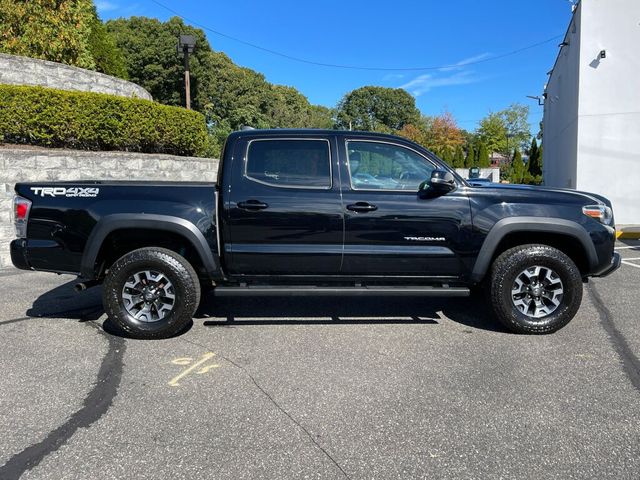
[{"x": 591, "y": 132}]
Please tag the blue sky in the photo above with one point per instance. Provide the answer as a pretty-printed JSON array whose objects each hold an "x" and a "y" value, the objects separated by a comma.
[{"x": 377, "y": 34}]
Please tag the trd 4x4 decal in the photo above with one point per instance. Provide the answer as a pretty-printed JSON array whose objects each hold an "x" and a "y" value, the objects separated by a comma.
[{"x": 66, "y": 192}]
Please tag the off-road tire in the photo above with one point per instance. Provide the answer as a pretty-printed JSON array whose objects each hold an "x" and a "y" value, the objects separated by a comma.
[
  {"x": 506, "y": 269},
  {"x": 174, "y": 267}
]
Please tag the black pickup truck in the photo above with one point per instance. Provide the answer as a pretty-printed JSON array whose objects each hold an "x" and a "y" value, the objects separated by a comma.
[{"x": 313, "y": 212}]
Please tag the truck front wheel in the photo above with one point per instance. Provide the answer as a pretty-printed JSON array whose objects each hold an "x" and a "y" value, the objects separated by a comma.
[
  {"x": 535, "y": 289},
  {"x": 151, "y": 293}
]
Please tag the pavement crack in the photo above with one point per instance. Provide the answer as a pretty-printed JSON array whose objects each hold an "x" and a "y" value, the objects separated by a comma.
[
  {"x": 95, "y": 405},
  {"x": 279, "y": 407},
  {"x": 630, "y": 363}
]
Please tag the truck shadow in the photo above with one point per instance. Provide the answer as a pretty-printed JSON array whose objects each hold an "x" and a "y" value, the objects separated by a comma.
[
  {"x": 65, "y": 303},
  {"x": 228, "y": 312}
]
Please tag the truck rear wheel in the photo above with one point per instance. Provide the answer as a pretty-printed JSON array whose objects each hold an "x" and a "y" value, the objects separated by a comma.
[
  {"x": 535, "y": 289},
  {"x": 151, "y": 293}
]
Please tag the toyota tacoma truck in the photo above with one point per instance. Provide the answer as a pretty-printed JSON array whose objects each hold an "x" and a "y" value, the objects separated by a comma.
[{"x": 313, "y": 212}]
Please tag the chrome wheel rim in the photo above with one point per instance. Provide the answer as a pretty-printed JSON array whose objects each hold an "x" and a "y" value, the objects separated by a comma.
[
  {"x": 537, "y": 291},
  {"x": 148, "y": 296}
]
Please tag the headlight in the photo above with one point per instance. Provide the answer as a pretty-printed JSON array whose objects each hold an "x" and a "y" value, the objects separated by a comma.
[{"x": 602, "y": 213}]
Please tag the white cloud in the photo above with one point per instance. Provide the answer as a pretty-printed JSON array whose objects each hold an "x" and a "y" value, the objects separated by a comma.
[
  {"x": 466, "y": 61},
  {"x": 455, "y": 74},
  {"x": 106, "y": 6},
  {"x": 424, "y": 83}
]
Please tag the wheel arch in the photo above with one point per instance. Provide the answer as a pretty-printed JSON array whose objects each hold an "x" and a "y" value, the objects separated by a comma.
[
  {"x": 174, "y": 226},
  {"x": 566, "y": 235}
]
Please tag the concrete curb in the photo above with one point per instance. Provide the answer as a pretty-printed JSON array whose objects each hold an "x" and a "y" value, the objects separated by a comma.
[{"x": 628, "y": 232}]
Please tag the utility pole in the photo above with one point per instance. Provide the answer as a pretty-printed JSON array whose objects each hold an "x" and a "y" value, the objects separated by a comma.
[{"x": 186, "y": 45}]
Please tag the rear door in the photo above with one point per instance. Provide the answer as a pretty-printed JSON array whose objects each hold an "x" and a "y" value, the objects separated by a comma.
[
  {"x": 284, "y": 214},
  {"x": 389, "y": 229}
]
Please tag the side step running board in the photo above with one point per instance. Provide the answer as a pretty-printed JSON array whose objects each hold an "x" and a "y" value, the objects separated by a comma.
[{"x": 224, "y": 291}]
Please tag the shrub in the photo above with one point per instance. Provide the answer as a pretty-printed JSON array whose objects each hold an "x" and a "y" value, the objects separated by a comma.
[{"x": 96, "y": 121}]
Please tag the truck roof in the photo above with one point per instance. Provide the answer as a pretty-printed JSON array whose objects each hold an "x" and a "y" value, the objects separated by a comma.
[{"x": 314, "y": 131}]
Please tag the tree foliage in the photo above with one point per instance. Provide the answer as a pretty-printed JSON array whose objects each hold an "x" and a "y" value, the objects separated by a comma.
[
  {"x": 517, "y": 169},
  {"x": 516, "y": 120},
  {"x": 535, "y": 159},
  {"x": 443, "y": 134},
  {"x": 440, "y": 134},
  {"x": 377, "y": 109},
  {"x": 56, "y": 30},
  {"x": 493, "y": 132},
  {"x": 108, "y": 58},
  {"x": 470, "y": 160},
  {"x": 505, "y": 130},
  {"x": 483, "y": 156},
  {"x": 458, "y": 159}
]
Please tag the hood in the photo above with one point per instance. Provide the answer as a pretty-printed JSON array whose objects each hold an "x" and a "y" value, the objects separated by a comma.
[{"x": 535, "y": 190}]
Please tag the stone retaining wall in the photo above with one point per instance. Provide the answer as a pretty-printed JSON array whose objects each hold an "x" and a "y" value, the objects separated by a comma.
[
  {"x": 34, "y": 165},
  {"x": 15, "y": 70}
]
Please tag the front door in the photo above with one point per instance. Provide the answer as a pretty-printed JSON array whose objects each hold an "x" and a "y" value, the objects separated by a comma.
[
  {"x": 285, "y": 212},
  {"x": 389, "y": 229}
]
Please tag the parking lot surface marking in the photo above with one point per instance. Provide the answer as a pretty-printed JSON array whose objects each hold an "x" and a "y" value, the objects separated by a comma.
[
  {"x": 630, "y": 264},
  {"x": 187, "y": 361}
]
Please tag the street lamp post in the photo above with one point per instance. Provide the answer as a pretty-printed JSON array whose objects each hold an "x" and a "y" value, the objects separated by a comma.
[{"x": 186, "y": 45}]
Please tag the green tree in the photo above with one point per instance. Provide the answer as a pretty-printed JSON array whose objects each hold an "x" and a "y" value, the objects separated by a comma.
[
  {"x": 56, "y": 30},
  {"x": 377, "y": 109},
  {"x": 108, "y": 58},
  {"x": 505, "y": 130},
  {"x": 321, "y": 117},
  {"x": 458, "y": 159},
  {"x": 483, "y": 156},
  {"x": 517, "y": 169},
  {"x": 447, "y": 156},
  {"x": 493, "y": 132},
  {"x": 149, "y": 48},
  {"x": 470, "y": 161},
  {"x": 516, "y": 121},
  {"x": 535, "y": 159}
]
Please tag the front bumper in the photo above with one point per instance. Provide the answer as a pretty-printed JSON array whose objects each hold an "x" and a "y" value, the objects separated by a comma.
[
  {"x": 18, "y": 250},
  {"x": 615, "y": 264}
]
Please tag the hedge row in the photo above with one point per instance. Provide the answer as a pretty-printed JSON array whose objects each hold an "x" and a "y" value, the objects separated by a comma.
[{"x": 95, "y": 121}]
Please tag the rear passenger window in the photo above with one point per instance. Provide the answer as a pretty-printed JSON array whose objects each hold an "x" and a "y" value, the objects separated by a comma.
[{"x": 289, "y": 163}]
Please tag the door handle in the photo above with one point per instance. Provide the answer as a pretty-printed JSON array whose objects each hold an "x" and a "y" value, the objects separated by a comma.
[
  {"x": 362, "y": 207},
  {"x": 252, "y": 205}
]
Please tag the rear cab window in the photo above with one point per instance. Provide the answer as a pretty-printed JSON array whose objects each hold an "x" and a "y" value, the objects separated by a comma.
[{"x": 289, "y": 163}]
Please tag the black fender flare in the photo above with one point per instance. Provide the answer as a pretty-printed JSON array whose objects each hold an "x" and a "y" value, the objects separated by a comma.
[
  {"x": 529, "y": 224},
  {"x": 111, "y": 223}
]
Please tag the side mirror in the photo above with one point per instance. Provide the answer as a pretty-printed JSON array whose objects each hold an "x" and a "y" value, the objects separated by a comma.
[{"x": 441, "y": 182}]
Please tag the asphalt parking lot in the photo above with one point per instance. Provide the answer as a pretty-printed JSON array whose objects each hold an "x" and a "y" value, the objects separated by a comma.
[{"x": 319, "y": 388}]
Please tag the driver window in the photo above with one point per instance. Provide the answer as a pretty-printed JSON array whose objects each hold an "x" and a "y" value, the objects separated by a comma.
[{"x": 383, "y": 166}]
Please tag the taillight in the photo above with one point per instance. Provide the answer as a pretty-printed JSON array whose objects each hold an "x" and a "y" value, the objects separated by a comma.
[{"x": 21, "y": 208}]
